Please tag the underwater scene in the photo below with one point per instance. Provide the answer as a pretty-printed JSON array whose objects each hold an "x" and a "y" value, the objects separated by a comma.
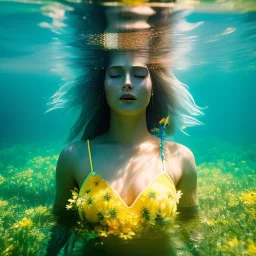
[{"x": 46, "y": 45}]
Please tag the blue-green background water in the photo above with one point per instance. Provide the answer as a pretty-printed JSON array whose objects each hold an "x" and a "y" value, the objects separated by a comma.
[
  {"x": 220, "y": 74},
  {"x": 218, "y": 64}
]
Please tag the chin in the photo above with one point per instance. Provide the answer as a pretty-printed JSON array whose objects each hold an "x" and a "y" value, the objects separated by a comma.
[{"x": 129, "y": 111}]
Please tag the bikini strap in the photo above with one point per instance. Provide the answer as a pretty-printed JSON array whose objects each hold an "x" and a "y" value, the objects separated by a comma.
[{"x": 90, "y": 155}]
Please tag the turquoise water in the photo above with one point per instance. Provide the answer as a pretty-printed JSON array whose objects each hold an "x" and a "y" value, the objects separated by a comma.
[{"x": 214, "y": 56}]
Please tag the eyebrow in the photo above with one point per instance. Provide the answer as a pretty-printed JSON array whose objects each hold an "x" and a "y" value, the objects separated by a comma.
[{"x": 142, "y": 67}]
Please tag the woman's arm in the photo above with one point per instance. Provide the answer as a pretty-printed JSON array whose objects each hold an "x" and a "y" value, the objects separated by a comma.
[
  {"x": 65, "y": 182},
  {"x": 188, "y": 208}
]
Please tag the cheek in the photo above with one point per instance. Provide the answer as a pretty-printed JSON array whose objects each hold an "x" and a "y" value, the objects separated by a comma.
[
  {"x": 109, "y": 88},
  {"x": 110, "y": 85},
  {"x": 145, "y": 90}
]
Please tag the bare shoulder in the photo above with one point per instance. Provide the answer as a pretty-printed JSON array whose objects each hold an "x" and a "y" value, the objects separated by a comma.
[
  {"x": 69, "y": 153},
  {"x": 65, "y": 173},
  {"x": 73, "y": 158},
  {"x": 187, "y": 182},
  {"x": 183, "y": 154},
  {"x": 188, "y": 160}
]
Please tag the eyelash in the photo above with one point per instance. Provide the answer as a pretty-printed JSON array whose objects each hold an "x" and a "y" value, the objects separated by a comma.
[
  {"x": 114, "y": 76},
  {"x": 134, "y": 76}
]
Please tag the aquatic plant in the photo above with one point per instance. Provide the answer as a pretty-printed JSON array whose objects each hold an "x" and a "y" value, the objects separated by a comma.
[{"x": 226, "y": 191}]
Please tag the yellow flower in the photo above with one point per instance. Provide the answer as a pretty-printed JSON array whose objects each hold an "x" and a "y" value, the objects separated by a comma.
[
  {"x": 218, "y": 190},
  {"x": 74, "y": 202},
  {"x": 233, "y": 202},
  {"x": 151, "y": 205},
  {"x": 126, "y": 229},
  {"x": 164, "y": 120},
  {"x": 68, "y": 206},
  {"x": 104, "y": 200},
  {"x": 96, "y": 180},
  {"x": 249, "y": 198},
  {"x": 113, "y": 225},
  {"x": 8, "y": 250},
  {"x": 210, "y": 222},
  {"x": 251, "y": 212},
  {"x": 25, "y": 222},
  {"x": 74, "y": 193},
  {"x": 101, "y": 231},
  {"x": 127, "y": 236},
  {"x": 91, "y": 212},
  {"x": 93, "y": 184},
  {"x": 165, "y": 209},
  {"x": 115, "y": 209},
  {"x": 103, "y": 222},
  {"x": 178, "y": 196},
  {"x": 233, "y": 242},
  {"x": 40, "y": 209},
  {"x": 126, "y": 225},
  {"x": 224, "y": 222},
  {"x": 251, "y": 250}
]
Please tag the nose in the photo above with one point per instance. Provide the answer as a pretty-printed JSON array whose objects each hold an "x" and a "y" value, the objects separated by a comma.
[{"x": 127, "y": 82}]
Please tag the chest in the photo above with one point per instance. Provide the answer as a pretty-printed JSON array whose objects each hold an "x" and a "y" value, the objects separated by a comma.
[{"x": 128, "y": 171}]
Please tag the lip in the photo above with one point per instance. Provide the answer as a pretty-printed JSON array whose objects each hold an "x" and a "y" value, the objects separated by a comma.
[{"x": 128, "y": 96}]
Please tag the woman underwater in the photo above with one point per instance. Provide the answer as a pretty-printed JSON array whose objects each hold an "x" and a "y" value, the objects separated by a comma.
[
  {"x": 122, "y": 184},
  {"x": 117, "y": 165}
]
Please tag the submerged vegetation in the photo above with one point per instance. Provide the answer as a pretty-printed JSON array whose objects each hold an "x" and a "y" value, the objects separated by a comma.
[{"x": 226, "y": 190}]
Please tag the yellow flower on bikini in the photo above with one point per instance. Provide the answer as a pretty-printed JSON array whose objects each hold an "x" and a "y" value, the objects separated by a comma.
[
  {"x": 91, "y": 211},
  {"x": 101, "y": 231},
  {"x": 114, "y": 211},
  {"x": 126, "y": 236},
  {"x": 73, "y": 201},
  {"x": 178, "y": 196},
  {"x": 113, "y": 225}
]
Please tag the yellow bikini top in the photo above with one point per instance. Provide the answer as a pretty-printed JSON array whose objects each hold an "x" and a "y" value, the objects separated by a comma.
[{"x": 101, "y": 207}]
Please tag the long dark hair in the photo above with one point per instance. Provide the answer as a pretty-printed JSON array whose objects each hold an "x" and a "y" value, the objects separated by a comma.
[{"x": 171, "y": 97}]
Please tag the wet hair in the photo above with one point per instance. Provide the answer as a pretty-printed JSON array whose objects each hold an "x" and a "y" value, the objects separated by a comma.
[{"x": 171, "y": 98}]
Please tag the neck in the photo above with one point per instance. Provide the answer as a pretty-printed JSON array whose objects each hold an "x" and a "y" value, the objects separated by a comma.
[{"x": 128, "y": 129}]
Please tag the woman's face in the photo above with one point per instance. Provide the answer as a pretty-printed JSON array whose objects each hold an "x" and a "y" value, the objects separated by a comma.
[{"x": 128, "y": 84}]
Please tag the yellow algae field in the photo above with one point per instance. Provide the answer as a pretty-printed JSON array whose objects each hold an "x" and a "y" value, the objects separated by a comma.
[{"x": 226, "y": 191}]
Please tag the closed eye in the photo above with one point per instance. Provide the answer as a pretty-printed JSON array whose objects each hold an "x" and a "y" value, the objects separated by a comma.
[
  {"x": 137, "y": 72},
  {"x": 115, "y": 76},
  {"x": 140, "y": 76},
  {"x": 140, "y": 72}
]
